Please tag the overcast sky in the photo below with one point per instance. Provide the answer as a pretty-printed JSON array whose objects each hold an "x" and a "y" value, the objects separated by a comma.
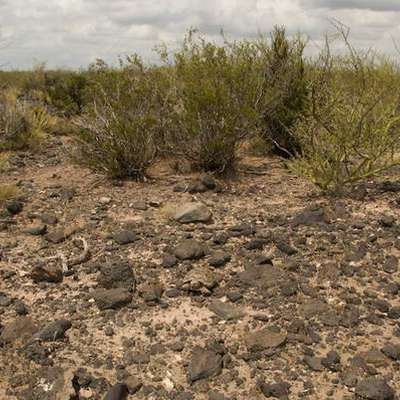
[{"x": 73, "y": 33}]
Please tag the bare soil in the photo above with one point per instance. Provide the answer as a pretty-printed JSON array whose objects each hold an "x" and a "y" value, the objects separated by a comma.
[{"x": 321, "y": 272}]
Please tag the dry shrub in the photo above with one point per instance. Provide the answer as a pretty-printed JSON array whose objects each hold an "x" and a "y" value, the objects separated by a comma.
[
  {"x": 120, "y": 129},
  {"x": 8, "y": 192},
  {"x": 352, "y": 130},
  {"x": 285, "y": 91},
  {"x": 216, "y": 89},
  {"x": 22, "y": 126}
]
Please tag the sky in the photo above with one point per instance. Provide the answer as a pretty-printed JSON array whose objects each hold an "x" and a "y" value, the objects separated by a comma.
[{"x": 73, "y": 33}]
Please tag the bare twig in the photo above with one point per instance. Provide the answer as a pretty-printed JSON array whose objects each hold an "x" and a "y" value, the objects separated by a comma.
[{"x": 67, "y": 263}]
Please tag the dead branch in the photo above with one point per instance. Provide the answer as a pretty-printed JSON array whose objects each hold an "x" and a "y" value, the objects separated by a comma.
[
  {"x": 83, "y": 257},
  {"x": 68, "y": 263}
]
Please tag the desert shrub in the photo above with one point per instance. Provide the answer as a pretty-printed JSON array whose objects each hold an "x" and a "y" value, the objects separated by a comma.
[
  {"x": 4, "y": 160},
  {"x": 285, "y": 93},
  {"x": 66, "y": 91},
  {"x": 352, "y": 130},
  {"x": 21, "y": 125},
  {"x": 216, "y": 90},
  {"x": 16, "y": 129},
  {"x": 8, "y": 192},
  {"x": 119, "y": 130}
]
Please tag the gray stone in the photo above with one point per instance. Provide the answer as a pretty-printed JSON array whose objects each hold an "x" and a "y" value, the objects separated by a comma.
[
  {"x": 116, "y": 275},
  {"x": 54, "y": 331},
  {"x": 374, "y": 388},
  {"x": 392, "y": 351},
  {"x": 310, "y": 217},
  {"x": 140, "y": 206},
  {"x": 112, "y": 298},
  {"x": 125, "y": 237},
  {"x": 219, "y": 259},
  {"x": 313, "y": 308},
  {"x": 225, "y": 311},
  {"x": 192, "y": 212},
  {"x": 47, "y": 273},
  {"x": 119, "y": 391},
  {"x": 264, "y": 339},
  {"x": 133, "y": 383},
  {"x": 263, "y": 277},
  {"x": 49, "y": 219},
  {"x": 58, "y": 236},
  {"x": 36, "y": 230},
  {"x": 216, "y": 396},
  {"x": 169, "y": 261},
  {"x": 190, "y": 250},
  {"x": 21, "y": 329},
  {"x": 204, "y": 364},
  {"x": 5, "y": 300},
  {"x": 277, "y": 390},
  {"x": 314, "y": 363},
  {"x": 14, "y": 207}
]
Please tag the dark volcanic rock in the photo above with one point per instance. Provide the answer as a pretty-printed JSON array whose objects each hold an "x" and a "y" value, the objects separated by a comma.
[
  {"x": 392, "y": 351},
  {"x": 313, "y": 308},
  {"x": 47, "y": 273},
  {"x": 137, "y": 358},
  {"x": 263, "y": 277},
  {"x": 112, "y": 298},
  {"x": 57, "y": 236},
  {"x": 5, "y": 300},
  {"x": 36, "y": 230},
  {"x": 116, "y": 275},
  {"x": 310, "y": 217},
  {"x": 256, "y": 244},
  {"x": 389, "y": 186},
  {"x": 169, "y": 261},
  {"x": 264, "y": 339},
  {"x": 391, "y": 265},
  {"x": 219, "y": 259},
  {"x": 242, "y": 230},
  {"x": 14, "y": 207},
  {"x": 189, "y": 250},
  {"x": 204, "y": 364},
  {"x": 225, "y": 311},
  {"x": 284, "y": 246},
  {"x": 221, "y": 238},
  {"x": 209, "y": 182},
  {"x": 119, "y": 391},
  {"x": 314, "y": 363},
  {"x": 192, "y": 213},
  {"x": 216, "y": 396},
  {"x": 276, "y": 390},
  {"x": 151, "y": 292},
  {"x": 21, "y": 328},
  {"x": 133, "y": 383},
  {"x": 125, "y": 237},
  {"x": 49, "y": 219},
  {"x": 54, "y": 331},
  {"x": 331, "y": 361},
  {"x": 374, "y": 388},
  {"x": 197, "y": 187}
]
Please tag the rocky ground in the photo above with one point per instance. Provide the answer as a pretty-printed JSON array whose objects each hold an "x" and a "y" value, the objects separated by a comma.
[{"x": 188, "y": 288}]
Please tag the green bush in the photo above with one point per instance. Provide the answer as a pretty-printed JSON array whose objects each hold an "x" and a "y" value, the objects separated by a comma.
[
  {"x": 285, "y": 92},
  {"x": 118, "y": 133},
  {"x": 15, "y": 126},
  {"x": 216, "y": 90},
  {"x": 352, "y": 130},
  {"x": 21, "y": 127},
  {"x": 66, "y": 91}
]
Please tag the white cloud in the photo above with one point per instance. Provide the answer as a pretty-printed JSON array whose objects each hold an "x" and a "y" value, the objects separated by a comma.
[{"x": 73, "y": 33}]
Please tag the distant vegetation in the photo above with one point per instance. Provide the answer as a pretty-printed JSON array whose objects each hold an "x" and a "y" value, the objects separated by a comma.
[{"x": 334, "y": 118}]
